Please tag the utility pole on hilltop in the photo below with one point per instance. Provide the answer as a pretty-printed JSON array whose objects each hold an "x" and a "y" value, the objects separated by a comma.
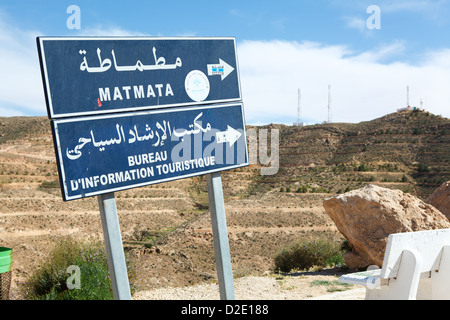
[
  {"x": 299, "y": 110},
  {"x": 329, "y": 103},
  {"x": 407, "y": 96},
  {"x": 298, "y": 107}
]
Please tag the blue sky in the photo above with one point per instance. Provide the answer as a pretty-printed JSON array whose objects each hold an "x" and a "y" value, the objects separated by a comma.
[{"x": 282, "y": 46}]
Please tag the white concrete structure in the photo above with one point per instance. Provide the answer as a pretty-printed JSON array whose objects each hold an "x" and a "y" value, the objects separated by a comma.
[{"x": 416, "y": 265}]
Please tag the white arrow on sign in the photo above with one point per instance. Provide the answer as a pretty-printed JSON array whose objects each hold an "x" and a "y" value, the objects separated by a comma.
[
  {"x": 223, "y": 69},
  {"x": 230, "y": 135}
]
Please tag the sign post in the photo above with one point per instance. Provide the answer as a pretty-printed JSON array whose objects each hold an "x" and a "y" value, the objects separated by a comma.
[
  {"x": 114, "y": 247},
  {"x": 128, "y": 112},
  {"x": 220, "y": 235}
]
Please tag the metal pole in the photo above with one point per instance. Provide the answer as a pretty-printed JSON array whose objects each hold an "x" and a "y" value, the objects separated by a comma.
[
  {"x": 219, "y": 227},
  {"x": 114, "y": 247}
]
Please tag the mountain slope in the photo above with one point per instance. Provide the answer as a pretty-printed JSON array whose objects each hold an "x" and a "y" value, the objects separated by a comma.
[{"x": 407, "y": 150}]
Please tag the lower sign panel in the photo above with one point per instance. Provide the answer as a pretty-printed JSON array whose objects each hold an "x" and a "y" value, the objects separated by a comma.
[{"x": 103, "y": 154}]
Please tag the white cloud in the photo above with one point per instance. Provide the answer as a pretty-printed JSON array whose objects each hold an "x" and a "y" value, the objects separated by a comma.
[
  {"x": 237, "y": 13},
  {"x": 112, "y": 30},
  {"x": 11, "y": 112},
  {"x": 421, "y": 6},
  {"x": 357, "y": 23},
  {"x": 435, "y": 11},
  {"x": 363, "y": 88},
  {"x": 100, "y": 30},
  {"x": 381, "y": 53},
  {"x": 21, "y": 90}
]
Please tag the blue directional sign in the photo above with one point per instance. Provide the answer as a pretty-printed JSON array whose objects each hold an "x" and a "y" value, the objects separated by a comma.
[
  {"x": 107, "y": 153},
  {"x": 98, "y": 75}
]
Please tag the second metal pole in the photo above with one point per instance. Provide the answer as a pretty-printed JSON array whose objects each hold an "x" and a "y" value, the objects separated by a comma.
[{"x": 220, "y": 234}]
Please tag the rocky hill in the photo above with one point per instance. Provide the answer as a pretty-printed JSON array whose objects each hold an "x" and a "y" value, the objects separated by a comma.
[
  {"x": 167, "y": 227},
  {"x": 407, "y": 151}
]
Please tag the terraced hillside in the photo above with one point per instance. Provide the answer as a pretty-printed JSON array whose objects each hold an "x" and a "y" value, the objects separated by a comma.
[
  {"x": 407, "y": 151},
  {"x": 166, "y": 228}
]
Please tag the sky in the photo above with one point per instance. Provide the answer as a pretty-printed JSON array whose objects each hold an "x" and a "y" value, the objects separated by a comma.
[{"x": 366, "y": 52}]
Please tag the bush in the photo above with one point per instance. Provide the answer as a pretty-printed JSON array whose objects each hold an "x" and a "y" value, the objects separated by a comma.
[
  {"x": 95, "y": 279},
  {"x": 50, "y": 281},
  {"x": 305, "y": 254},
  {"x": 422, "y": 167}
]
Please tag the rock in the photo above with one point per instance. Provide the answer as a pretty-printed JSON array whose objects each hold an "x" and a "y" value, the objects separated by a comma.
[
  {"x": 367, "y": 216},
  {"x": 440, "y": 199}
]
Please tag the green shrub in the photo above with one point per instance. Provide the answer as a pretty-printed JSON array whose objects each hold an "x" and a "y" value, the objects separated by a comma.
[
  {"x": 305, "y": 254},
  {"x": 423, "y": 167},
  {"x": 95, "y": 280},
  {"x": 49, "y": 184},
  {"x": 50, "y": 281}
]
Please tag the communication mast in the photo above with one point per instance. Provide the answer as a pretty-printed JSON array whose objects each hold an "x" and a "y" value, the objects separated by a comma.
[
  {"x": 298, "y": 123},
  {"x": 298, "y": 107},
  {"x": 407, "y": 96},
  {"x": 329, "y": 103},
  {"x": 408, "y": 107}
]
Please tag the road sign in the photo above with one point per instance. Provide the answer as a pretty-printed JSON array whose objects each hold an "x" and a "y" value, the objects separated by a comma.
[
  {"x": 107, "y": 153},
  {"x": 99, "y": 75},
  {"x": 109, "y": 101}
]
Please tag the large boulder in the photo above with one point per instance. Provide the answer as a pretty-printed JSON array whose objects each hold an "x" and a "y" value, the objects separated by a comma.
[
  {"x": 367, "y": 216},
  {"x": 440, "y": 199}
]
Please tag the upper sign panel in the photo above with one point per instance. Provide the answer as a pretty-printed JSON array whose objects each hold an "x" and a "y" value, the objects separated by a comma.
[{"x": 86, "y": 76}]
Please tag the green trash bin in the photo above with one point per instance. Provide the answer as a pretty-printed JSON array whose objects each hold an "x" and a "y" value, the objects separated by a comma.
[{"x": 5, "y": 272}]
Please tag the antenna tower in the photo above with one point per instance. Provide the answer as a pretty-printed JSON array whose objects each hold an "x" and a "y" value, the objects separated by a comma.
[
  {"x": 329, "y": 104},
  {"x": 407, "y": 96},
  {"x": 298, "y": 123}
]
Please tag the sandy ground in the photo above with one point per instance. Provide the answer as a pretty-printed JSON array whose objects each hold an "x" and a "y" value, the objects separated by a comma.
[{"x": 263, "y": 288}]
